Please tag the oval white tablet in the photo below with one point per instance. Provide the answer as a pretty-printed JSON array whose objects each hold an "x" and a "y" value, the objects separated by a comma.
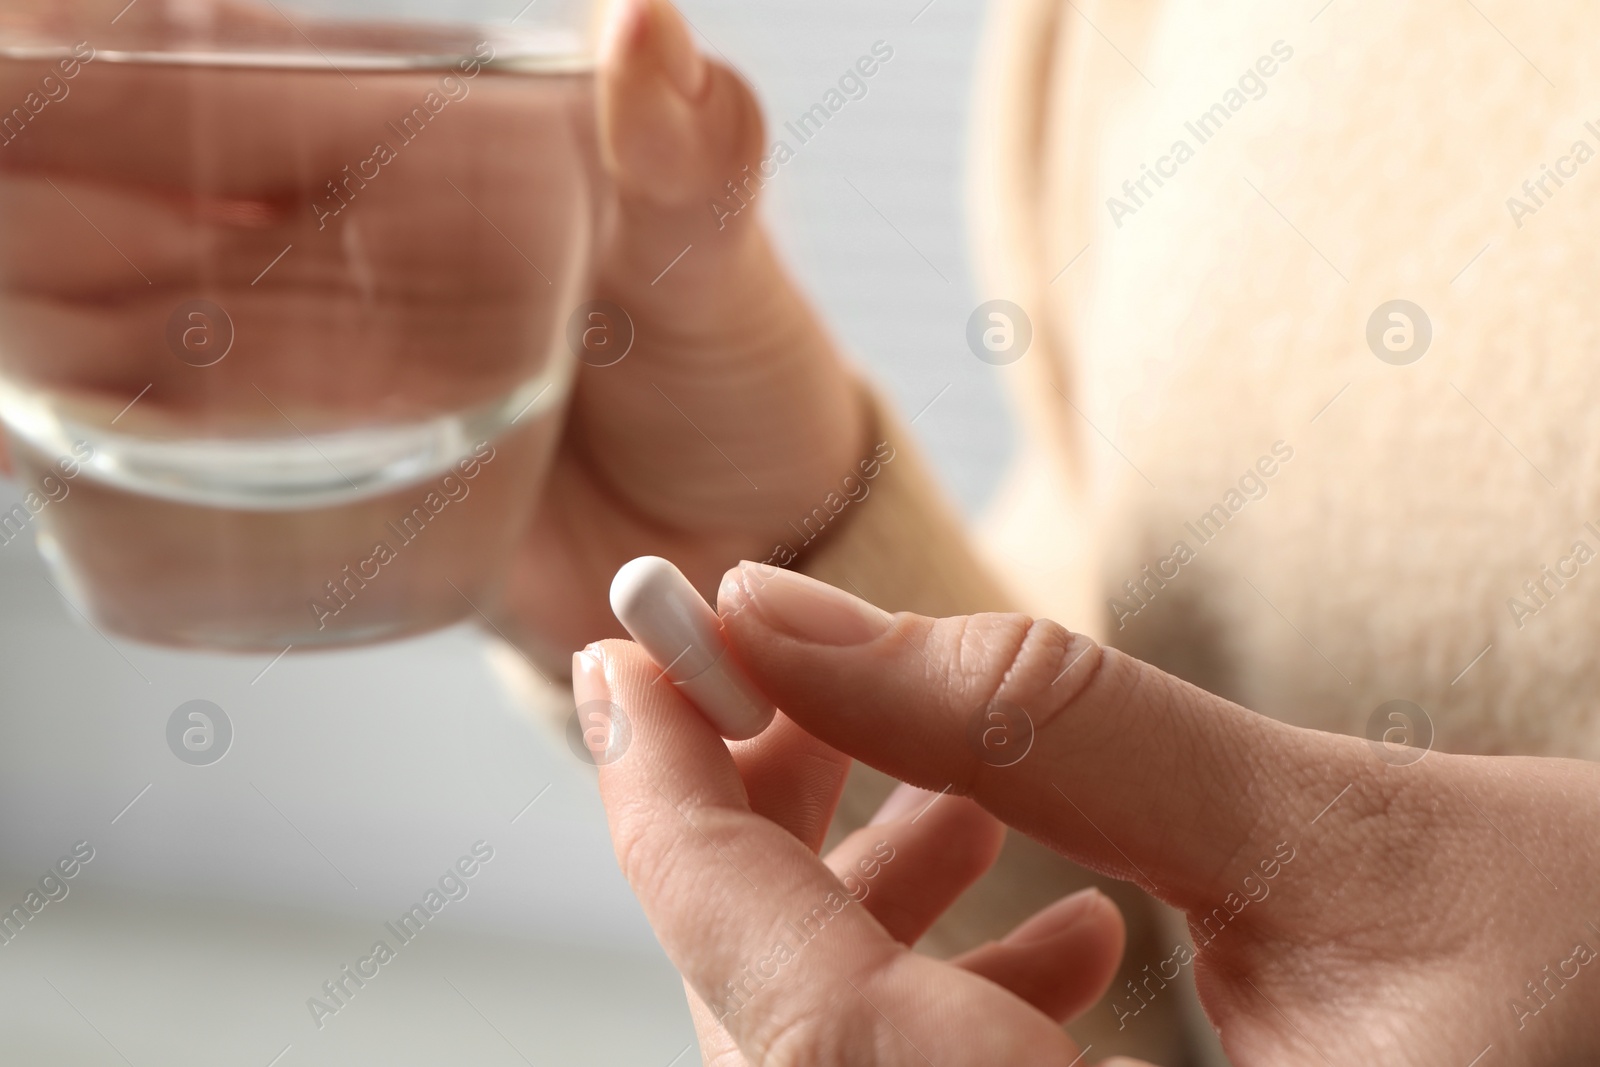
[{"x": 662, "y": 612}]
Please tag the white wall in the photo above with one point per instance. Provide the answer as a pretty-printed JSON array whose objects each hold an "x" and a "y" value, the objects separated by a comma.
[{"x": 904, "y": 147}]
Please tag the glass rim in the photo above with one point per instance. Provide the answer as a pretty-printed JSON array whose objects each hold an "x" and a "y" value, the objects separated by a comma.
[
  {"x": 374, "y": 42},
  {"x": 546, "y": 53}
]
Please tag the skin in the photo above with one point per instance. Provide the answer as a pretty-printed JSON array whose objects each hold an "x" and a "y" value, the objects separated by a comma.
[
  {"x": 1415, "y": 902},
  {"x": 725, "y": 335}
]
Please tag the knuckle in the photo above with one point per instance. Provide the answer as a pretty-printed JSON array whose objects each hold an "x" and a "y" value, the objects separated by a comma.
[
  {"x": 982, "y": 652},
  {"x": 1048, "y": 670},
  {"x": 1011, "y": 676}
]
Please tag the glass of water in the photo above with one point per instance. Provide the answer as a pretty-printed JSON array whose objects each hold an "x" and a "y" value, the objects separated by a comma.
[{"x": 283, "y": 301}]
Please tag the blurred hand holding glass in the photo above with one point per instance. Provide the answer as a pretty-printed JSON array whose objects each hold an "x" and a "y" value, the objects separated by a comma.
[{"x": 283, "y": 301}]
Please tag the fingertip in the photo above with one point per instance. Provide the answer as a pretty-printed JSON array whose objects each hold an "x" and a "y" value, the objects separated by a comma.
[
  {"x": 737, "y": 592},
  {"x": 623, "y": 32},
  {"x": 1087, "y": 911},
  {"x": 653, "y": 33},
  {"x": 589, "y": 675},
  {"x": 675, "y": 127},
  {"x": 1063, "y": 959},
  {"x": 654, "y": 733},
  {"x": 731, "y": 592},
  {"x": 940, "y": 846},
  {"x": 675, "y": 48},
  {"x": 606, "y": 668}
]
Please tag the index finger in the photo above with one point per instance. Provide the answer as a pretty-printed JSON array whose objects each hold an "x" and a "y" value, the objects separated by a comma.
[{"x": 1124, "y": 768}]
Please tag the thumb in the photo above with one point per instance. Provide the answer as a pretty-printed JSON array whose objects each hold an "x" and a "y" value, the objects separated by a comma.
[
  {"x": 682, "y": 138},
  {"x": 674, "y": 125},
  {"x": 1122, "y": 767},
  {"x": 737, "y": 411}
]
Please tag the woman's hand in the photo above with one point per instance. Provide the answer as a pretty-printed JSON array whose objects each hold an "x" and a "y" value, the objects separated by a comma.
[
  {"x": 792, "y": 958},
  {"x": 1346, "y": 908},
  {"x": 733, "y": 413}
]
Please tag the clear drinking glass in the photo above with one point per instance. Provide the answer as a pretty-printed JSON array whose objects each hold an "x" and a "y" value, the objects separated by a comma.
[{"x": 283, "y": 295}]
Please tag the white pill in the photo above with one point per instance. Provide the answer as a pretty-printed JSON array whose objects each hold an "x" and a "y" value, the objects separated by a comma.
[{"x": 661, "y": 610}]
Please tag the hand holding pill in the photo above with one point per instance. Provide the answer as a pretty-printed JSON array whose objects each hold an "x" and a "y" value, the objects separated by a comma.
[
  {"x": 662, "y": 612},
  {"x": 1262, "y": 833}
]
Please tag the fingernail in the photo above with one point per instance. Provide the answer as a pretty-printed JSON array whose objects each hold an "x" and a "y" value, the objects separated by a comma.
[
  {"x": 905, "y": 800},
  {"x": 589, "y": 676},
  {"x": 809, "y": 610},
  {"x": 684, "y": 65},
  {"x": 622, "y": 32},
  {"x": 1069, "y": 913}
]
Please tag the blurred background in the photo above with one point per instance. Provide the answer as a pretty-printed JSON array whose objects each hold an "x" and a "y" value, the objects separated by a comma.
[{"x": 220, "y": 899}]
